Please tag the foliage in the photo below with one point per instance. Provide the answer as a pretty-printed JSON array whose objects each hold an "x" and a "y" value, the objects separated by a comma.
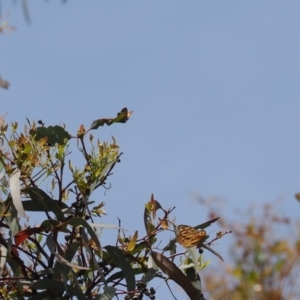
[
  {"x": 264, "y": 259},
  {"x": 63, "y": 257}
]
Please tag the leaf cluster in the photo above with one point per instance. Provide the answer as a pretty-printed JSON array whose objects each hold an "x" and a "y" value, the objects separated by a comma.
[{"x": 63, "y": 257}]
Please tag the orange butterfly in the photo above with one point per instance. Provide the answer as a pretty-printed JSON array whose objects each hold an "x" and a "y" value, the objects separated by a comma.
[{"x": 188, "y": 236}]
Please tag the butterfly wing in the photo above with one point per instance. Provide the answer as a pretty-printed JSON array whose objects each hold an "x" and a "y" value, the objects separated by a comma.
[{"x": 188, "y": 236}]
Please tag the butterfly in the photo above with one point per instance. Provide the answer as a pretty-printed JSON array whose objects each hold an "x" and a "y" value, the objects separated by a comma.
[{"x": 188, "y": 236}]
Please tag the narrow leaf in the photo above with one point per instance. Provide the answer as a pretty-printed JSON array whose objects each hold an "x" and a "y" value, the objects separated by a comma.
[
  {"x": 206, "y": 224},
  {"x": 51, "y": 243},
  {"x": 109, "y": 293},
  {"x": 15, "y": 190},
  {"x": 3, "y": 251},
  {"x": 122, "y": 117},
  {"x": 56, "y": 287},
  {"x": 170, "y": 269},
  {"x": 109, "y": 226},
  {"x": 131, "y": 244},
  {"x": 212, "y": 251},
  {"x": 68, "y": 255},
  {"x": 48, "y": 284},
  {"x": 30, "y": 205},
  {"x": 44, "y": 201},
  {"x": 194, "y": 256},
  {"x": 146, "y": 218},
  {"x": 80, "y": 222},
  {"x": 121, "y": 260},
  {"x": 64, "y": 261},
  {"x": 152, "y": 268}
]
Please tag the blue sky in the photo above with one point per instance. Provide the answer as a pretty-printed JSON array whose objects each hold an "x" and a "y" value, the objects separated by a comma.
[{"x": 214, "y": 86}]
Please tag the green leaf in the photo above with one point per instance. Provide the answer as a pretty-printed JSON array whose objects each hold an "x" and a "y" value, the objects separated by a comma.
[
  {"x": 109, "y": 293},
  {"x": 120, "y": 274},
  {"x": 100, "y": 122},
  {"x": 48, "y": 225},
  {"x": 30, "y": 205},
  {"x": 122, "y": 117},
  {"x": 43, "y": 295},
  {"x": 80, "y": 222},
  {"x": 212, "y": 251},
  {"x": 56, "y": 287},
  {"x": 171, "y": 246},
  {"x": 206, "y": 224},
  {"x": 71, "y": 250},
  {"x": 139, "y": 247},
  {"x": 149, "y": 275},
  {"x": 121, "y": 260},
  {"x": 146, "y": 218},
  {"x": 55, "y": 134},
  {"x": 193, "y": 276},
  {"x": 43, "y": 201},
  {"x": 152, "y": 269},
  {"x": 68, "y": 255},
  {"x": 48, "y": 284}
]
